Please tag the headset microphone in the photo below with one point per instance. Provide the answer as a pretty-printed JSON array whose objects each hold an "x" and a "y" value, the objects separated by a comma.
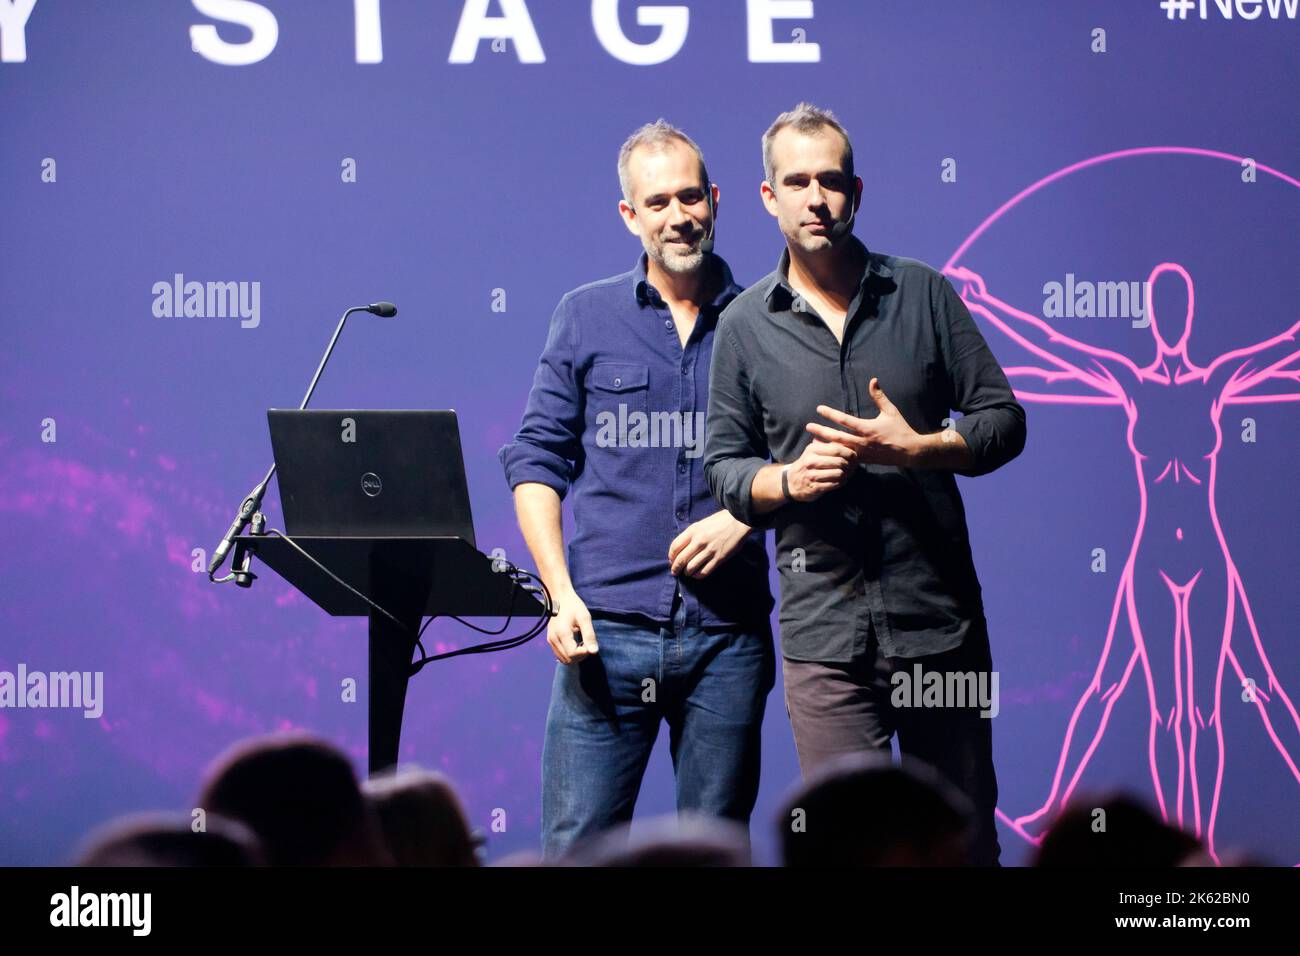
[
  {"x": 843, "y": 227},
  {"x": 706, "y": 244}
]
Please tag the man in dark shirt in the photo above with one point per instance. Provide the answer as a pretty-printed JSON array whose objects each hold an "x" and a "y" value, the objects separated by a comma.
[
  {"x": 843, "y": 367},
  {"x": 663, "y": 604}
]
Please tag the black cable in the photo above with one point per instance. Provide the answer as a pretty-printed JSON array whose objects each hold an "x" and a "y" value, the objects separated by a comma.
[
  {"x": 517, "y": 577},
  {"x": 384, "y": 611},
  {"x": 537, "y": 628},
  {"x": 423, "y": 628}
]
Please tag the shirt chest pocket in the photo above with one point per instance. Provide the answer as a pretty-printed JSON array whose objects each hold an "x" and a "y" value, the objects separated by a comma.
[{"x": 611, "y": 384}]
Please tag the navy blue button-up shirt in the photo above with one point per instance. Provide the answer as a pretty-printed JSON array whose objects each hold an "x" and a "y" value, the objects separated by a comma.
[{"x": 617, "y": 414}]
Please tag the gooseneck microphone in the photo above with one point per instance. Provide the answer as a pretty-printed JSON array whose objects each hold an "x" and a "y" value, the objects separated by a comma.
[{"x": 253, "y": 501}]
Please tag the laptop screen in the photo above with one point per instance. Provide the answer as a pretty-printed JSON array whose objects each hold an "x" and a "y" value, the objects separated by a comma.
[{"x": 370, "y": 473}]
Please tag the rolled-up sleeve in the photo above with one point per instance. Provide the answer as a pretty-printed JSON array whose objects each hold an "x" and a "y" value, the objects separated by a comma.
[
  {"x": 549, "y": 441},
  {"x": 992, "y": 422},
  {"x": 735, "y": 446}
]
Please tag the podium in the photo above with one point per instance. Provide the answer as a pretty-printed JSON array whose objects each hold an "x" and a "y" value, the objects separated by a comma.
[{"x": 411, "y": 578}]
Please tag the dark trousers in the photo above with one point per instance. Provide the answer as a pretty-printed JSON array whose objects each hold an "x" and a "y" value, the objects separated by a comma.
[{"x": 838, "y": 708}]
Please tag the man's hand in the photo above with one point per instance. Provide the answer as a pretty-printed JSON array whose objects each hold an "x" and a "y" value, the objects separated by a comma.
[
  {"x": 886, "y": 439},
  {"x": 571, "y": 616},
  {"x": 704, "y": 545},
  {"x": 823, "y": 466}
]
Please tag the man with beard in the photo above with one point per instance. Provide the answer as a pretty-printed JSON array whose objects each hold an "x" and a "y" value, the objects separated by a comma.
[{"x": 662, "y": 607}]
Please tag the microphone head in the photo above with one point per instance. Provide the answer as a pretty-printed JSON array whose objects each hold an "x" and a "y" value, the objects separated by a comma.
[
  {"x": 843, "y": 227},
  {"x": 385, "y": 309},
  {"x": 706, "y": 244}
]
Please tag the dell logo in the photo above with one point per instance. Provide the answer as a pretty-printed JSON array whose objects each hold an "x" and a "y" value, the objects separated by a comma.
[{"x": 371, "y": 484}]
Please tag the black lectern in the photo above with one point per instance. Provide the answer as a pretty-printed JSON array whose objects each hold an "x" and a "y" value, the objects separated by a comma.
[{"x": 410, "y": 578}]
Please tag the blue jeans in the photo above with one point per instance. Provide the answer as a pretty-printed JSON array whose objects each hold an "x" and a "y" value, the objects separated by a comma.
[{"x": 711, "y": 687}]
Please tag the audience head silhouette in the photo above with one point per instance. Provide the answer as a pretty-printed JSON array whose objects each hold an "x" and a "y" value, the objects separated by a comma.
[
  {"x": 422, "y": 820},
  {"x": 300, "y": 796},
  {"x": 1113, "y": 831},
  {"x": 168, "y": 839},
  {"x": 292, "y": 799},
  {"x": 686, "y": 840},
  {"x": 863, "y": 810}
]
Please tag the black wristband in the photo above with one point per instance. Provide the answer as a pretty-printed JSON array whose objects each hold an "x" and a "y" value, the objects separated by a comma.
[{"x": 785, "y": 483}]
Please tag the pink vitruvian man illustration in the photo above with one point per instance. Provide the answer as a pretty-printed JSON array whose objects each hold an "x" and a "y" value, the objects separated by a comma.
[{"x": 1200, "y": 651}]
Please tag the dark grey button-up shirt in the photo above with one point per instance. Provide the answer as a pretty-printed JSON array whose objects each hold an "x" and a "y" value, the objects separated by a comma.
[{"x": 890, "y": 547}]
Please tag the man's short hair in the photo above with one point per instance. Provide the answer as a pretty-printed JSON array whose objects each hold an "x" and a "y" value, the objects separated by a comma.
[
  {"x": 656, "y": 136},
  {"x": 807, "y": 119}
]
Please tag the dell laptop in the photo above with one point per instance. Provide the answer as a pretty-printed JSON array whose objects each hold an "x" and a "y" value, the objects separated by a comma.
[{"x": 365, "y": 473}]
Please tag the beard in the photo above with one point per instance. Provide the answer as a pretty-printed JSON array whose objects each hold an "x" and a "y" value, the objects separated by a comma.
[{"x": 672, "y": 257}]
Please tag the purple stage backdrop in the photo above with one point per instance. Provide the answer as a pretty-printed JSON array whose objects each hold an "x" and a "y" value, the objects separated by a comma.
[{"x": 1113, "y": 186}]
